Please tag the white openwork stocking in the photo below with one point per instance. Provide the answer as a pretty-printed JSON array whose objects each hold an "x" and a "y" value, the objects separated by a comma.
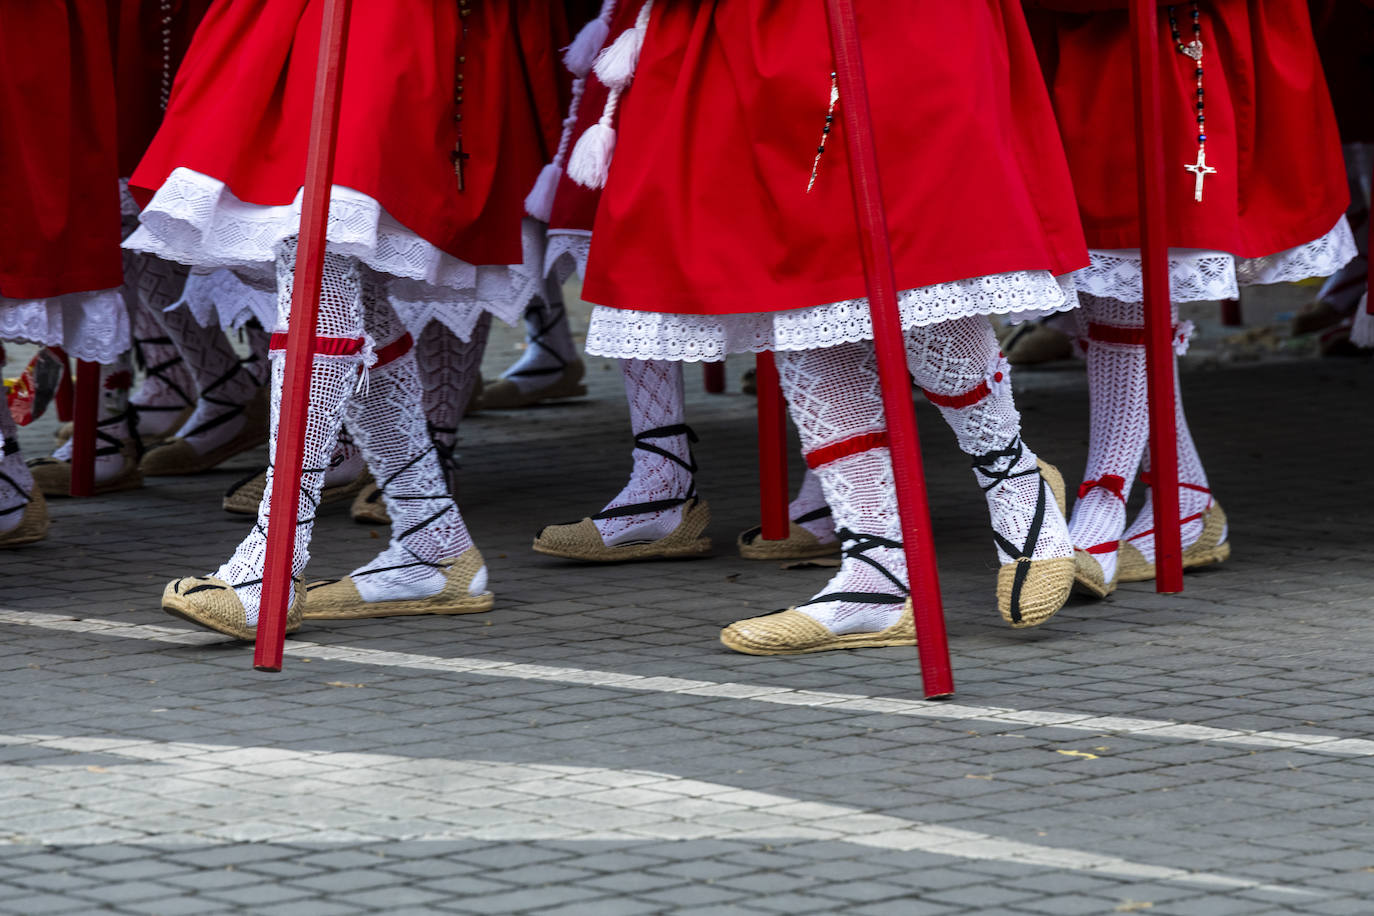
[
  {"x": 16, "y": 482},
  {"x": 388, "y": 421},
  {"x": 1194, "y": 493},
  {"x": 258, "y": 342},
  {"x": 658, "y": 419},
  {"x": 834, "y": 399},
  {"x": 225, "y": 383},
  {"x": 114, "y": 425},
  {"x": 450, "y": 369},
  {"x": 549, "y": 346},
  {"x": 962, "y": 371},
  {"x": 1119, "y": 424},
  {"x": 332, "y": 380},
  {"x": 810, "y": 505},
  {"x": 167, "y": 387}
]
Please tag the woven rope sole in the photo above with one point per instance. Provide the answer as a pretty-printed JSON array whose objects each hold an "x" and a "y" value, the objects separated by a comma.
[
  {"x": 244, "y": 499},
  {"x": 1207, "y": 550},
  {"x": 1087, "y": 575},
  {"x": 340, "y": 600},
  {"x": 791, "y": 632},
  {"x": 54, "y": 478},
  {"x": 211, "y": 603},
  {"x": 33, "y": 524},
  {"x": 503, "y": 394},
  {"x": 368, "y": 507},
  {"x": 1056, "y": 484},
  {"x": 1046, "y": 588},
  {"x": 581, "y": 540},
  {"x": 64, "y": 430},
  {"x": 176, "y": 456},
  {"x": 799, "y": 544}
]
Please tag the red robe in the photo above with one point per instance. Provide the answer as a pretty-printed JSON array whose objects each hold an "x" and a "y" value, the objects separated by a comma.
[
  {"x": 59, "y": 191},
  {"x": 1271, "y": 133},
  {"x": 241, "y": 105},
  {"x": 707, "y": 211}
]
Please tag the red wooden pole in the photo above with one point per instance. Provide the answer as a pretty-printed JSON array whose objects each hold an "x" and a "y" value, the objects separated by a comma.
[
  {"x": 1159, "y": 331},
  {"x": 713, "y": 377},
  {"x": 85, "y": 415},
  {"x": 772, "y": 450},
  {"x": 300, "y": 341},
  {"x": 936, "y": 673}
]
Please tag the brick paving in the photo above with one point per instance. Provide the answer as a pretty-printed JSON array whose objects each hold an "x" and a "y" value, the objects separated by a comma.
[{"x": 589, "y": 748}]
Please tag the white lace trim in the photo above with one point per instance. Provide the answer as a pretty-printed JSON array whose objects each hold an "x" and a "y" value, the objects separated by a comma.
[
  {"x": 92, "y": 326},
  {"x": 567, "y": 253},
  {"x": 628, "y": 334},
  {"x": 1197, "y": 275},
  {"x": 224, "y": 298},
  {"x": 195, "y": 219}
]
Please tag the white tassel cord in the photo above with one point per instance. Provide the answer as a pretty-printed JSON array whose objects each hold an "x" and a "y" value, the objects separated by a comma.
[
  {"x": 539, "y": 202},
  {"x": 579, "y": 56},
  {"x": 590, "y": 164},
  {"x": 615, "y": 66}
]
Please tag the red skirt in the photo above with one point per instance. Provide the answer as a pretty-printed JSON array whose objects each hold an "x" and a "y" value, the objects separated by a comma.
[
  {"x": 1271, "y": 132},
  {"x": 59, "y": 192},
  {"x": 707, "y": 210},
  {"x": 241, "y": 105}
]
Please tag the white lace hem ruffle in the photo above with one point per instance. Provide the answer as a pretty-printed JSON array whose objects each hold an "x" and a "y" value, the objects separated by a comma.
[
  {"x": 567, "y": 253},
  {"x": 195, "y": 219},
  {"x": 1196, "y": 275},
  {"x": 628, "y": 334},
  {"x": 92, "y": 326}
]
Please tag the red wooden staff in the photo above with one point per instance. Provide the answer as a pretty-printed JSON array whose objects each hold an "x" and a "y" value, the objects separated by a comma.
[
  {"x": 1159, "y": 331},
  {"x": 300, "y": 338},
  {"x": 890, "y": 343},
  {"x": 85, "y": 416},
  {"x": 772, "y": 450}
]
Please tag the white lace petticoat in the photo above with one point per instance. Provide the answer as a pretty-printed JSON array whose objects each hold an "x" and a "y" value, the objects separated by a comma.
[
  {"x": 628, "y": 334},
  {"x": 567, "y": 253},
  {"x": 1196, "y": 275},
  {"x": 195, "y": 219},
  {"x": 92, "y": 326}
]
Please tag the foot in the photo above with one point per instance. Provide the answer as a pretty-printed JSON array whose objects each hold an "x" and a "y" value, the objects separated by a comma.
[
  {"x": 800, "y": 544},
  {"x": 533, "y": 387},
  {"x": 212, "y": 603},
  {"x": 1206, "y": 535},
  {"x": 1032, "y": 538},
  {"x": 217, "y": 431},
  {"x": 792, "y": 632},
  {"x": 116, "y": 462},
  {"x": 1099, "y": 519},
  {"x": 23, "y": 511},
  {"x": 582, "y": 541},
  {"x": 460, "y": 587}
]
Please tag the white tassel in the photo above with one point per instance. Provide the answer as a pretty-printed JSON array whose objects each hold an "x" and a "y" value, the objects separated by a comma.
[
  {"x": 1362, "y": 330},
  {"x": 1183, "y": 336},
  {"x": 999, "y": 376},
  {"x": 590, "y": 164},
  {"x": 579, "y": 56},
  {"x": 615, "y": 66},
  {"x": 539, "y": 203}
]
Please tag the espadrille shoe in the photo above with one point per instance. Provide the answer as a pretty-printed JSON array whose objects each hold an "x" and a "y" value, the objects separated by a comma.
[
  {"x": 558, "y": 383},
  {"x": 800, "y": 543},
  {"x": 33, "y": 524},
  {"x": 1210, "y": 548},
  {"x": 791, "y": 632},
  {"x": 1088, "y": 577},
  {"x": 368, "y": 507},
  {"x": 212, "y": 603},
  {"x": 177, "y": 456},
  {"x": 581, "y": 540},
  {"x": 53, "y": 476},
  {"x": 1029, "y": 591},
  {"x": 243, "y": 496},
  {"x": 464, "y": 593}
]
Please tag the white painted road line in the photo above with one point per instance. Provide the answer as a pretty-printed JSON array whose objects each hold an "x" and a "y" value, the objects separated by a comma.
[
  {"x": 305, "y": 796},
  {"x": 942, "y": 711}
]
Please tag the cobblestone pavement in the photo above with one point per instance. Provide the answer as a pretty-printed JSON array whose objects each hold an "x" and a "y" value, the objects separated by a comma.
[{"x": 590, "y": 748}]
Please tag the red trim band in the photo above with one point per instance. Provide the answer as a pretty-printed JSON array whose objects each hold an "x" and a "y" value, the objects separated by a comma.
[
  {"x": 1104, "y": 547},
  {"x": 843, "y": 449},
  {"x": 324, "y": 346},
  {"x": 1124, "y": 337},
  {"x": 394, "y": 350},
  {"x": 1149, "y": 480},
  {"x": 1112, "y": 483},
  {"x": 967, "y": 399}
]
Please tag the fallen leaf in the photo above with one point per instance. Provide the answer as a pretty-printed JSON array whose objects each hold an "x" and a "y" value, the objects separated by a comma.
[
  {"x": 1083, "y": 754},
  {"x": 1134, "y": 906},
  {"x": 342, "y": 684},
  {"x": 96, "y": 769}
]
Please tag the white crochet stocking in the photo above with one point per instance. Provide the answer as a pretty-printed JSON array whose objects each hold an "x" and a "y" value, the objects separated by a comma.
[
  {"x": 16, "y": 482},
  {"x": 1119, "y": 427},
  {"x": 258, "y": 342},
  {"x": 346, "y": 463},
  {"x": 654, "y": 391},
  {"x": 167, "y": 387},
  {"x": 835, "y": 401},
  {"x": 114, "y": 424},
  {"x": 1191, "y": 502},
  {"x": 549, "y": 346},
  {"x": 810, "y": 501},
  {"x": 388, "y": 421},
  {"x": 332, "y": 380},
  {"x": 226, "y": 385},
  {"x": 963, "y": 372},
  {"x": 450, "y": 369}
]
